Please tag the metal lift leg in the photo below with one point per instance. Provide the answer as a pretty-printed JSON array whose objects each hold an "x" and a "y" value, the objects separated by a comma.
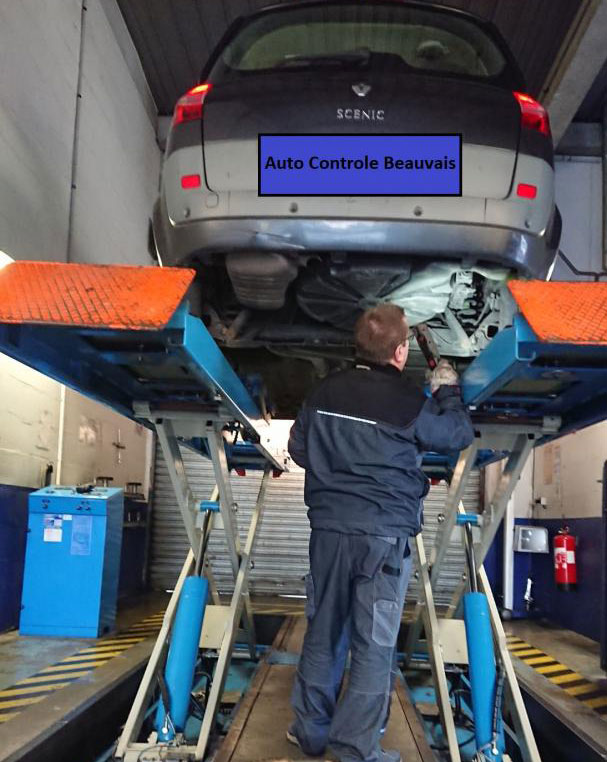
[
  {"x": 226, "y": 618},
  {"x": 522, "y": 726},
  {"x": 435, "y": 652},
  {"x": 183, "y": 494},
  {"x": 136, "y": 716},
  {"x": 239, "y": 598},
  {"x": 457, "y": 487},
  {"x": 228, "y": 508},
  {"x": 519, "y": 444},
  {"x": 496, "y": 509}
]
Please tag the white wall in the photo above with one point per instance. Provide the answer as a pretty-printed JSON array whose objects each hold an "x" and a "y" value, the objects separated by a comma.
[
  {"x": 29, "y": 424},
  {"x": 39, "y": 44},
  {"x": 111, "y": 155},
  {"x": 579, "y": 197},
  {"x": 90, "y": 437},
  {"x": 118, "y": 160},
  {"x": 568, "y": 474}
]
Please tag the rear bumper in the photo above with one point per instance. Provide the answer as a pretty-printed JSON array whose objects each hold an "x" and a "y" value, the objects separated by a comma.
[{"x": 524, "y": 252}]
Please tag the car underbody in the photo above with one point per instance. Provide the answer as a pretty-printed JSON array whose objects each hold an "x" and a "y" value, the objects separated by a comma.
[{"x": 290, "y": 318}]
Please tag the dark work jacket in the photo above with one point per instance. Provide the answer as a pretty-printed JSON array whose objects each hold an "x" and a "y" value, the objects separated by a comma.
[{"x": 361, "y": 436}]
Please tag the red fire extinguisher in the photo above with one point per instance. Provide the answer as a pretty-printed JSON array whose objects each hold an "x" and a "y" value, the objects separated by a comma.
[{"x": 565, "y": 569}]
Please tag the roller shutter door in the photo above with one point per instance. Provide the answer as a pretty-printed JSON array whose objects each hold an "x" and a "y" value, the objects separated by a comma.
[{"x": 281, "y": 555}]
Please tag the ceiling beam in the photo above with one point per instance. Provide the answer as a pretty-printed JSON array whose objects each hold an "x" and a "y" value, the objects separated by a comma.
[{"x": 582, "y": 54}]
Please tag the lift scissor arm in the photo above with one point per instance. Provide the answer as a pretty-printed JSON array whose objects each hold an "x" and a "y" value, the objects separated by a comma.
[{"x": 124, "y": 336}]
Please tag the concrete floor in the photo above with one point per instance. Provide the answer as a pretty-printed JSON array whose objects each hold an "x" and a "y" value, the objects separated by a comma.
[
  {"x": 575, "y": 651},
  {"x": 24, "y": 656},
  {"x": 579, "y": 654}
]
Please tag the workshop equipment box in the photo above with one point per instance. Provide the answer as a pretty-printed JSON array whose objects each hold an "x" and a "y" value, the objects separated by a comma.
[{"x": 72, "y": 562}]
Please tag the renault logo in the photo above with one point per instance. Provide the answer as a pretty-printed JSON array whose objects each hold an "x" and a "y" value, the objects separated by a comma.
[{"x": 361, "y": 89}]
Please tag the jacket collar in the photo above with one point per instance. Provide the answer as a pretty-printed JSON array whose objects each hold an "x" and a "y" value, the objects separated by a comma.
[{"x": 388, "y": 370}]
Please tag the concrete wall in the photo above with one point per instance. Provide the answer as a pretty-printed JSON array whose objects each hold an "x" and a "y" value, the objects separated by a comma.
[
  {"x": 39, "y": 47},
  {"x": 99, "y": 442},
  {"x": 74, "y": 110},
  {"x": 568, "y": 474},
  {"x": 117, "y": 158},
  {"x": 565, "y": 474},
  {"x": 29, "y": 430},
  {"x": 48, "y": 50},
  {"x": 579, "y": 198}
]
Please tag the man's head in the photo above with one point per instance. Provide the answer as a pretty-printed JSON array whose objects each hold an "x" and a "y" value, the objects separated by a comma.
[{"x": 381, "y": 336}]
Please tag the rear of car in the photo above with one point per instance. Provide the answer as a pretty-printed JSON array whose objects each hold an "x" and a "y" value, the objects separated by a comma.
[{"x": 345, "y": 67}]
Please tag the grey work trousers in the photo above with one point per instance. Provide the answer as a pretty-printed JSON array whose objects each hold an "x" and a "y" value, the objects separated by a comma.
[{"x": 355, "y": 595}]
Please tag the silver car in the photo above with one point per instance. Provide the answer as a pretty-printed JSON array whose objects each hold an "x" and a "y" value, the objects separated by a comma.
[{"x": 282, "y": 279}]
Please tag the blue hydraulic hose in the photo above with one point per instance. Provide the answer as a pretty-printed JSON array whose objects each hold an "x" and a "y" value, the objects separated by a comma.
[{"x": 181, "y": 661}]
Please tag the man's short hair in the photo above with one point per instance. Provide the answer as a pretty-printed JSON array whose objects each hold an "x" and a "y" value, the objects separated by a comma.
[{"x": 379, "y": 331}]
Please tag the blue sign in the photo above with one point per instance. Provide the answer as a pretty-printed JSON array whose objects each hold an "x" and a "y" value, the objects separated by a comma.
[{"x": 360, "y": 165}]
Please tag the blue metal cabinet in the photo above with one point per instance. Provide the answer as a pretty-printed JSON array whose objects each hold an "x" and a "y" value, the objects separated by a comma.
[{"x": 72, "y": 562}]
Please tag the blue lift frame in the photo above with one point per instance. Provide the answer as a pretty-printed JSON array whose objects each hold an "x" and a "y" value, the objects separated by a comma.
[{"x": 174, "y": 378}]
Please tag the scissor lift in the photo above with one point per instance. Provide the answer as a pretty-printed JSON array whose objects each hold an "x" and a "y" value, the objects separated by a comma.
[
  {"x": 124, "y": 336},
  {"x": 544, "y": 377}
]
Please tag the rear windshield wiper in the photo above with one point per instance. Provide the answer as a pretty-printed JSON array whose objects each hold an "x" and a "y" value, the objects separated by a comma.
[{"x": 324, "y": 59}]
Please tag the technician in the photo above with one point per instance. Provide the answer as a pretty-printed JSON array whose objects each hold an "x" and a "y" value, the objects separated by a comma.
[{"x": 360, "y": 436}]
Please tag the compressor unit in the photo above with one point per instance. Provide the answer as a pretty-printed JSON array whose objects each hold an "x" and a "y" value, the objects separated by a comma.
[{"x": 72, "y": 561}]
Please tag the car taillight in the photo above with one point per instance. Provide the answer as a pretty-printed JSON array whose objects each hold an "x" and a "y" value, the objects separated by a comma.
[
  {"x": 533, "y": 115},
  {"x": 525, "y": 190},
  {"x": 189, "y": 107},
  {"x": 190, "y": 181}
]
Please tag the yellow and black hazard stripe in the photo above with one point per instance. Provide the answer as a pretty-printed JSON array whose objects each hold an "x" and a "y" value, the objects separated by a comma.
[
  {"x": 589, "y": 693},
  {"x": 37, "y": 687}
]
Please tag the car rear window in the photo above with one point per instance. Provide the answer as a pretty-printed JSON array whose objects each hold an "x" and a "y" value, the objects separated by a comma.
[{"x": 349, "y": 34}]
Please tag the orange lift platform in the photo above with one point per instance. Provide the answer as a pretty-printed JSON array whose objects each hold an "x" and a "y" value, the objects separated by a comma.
[{"x": 125, "y": 337}]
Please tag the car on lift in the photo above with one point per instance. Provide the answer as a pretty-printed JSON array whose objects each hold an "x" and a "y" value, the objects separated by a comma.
[{"x": 282, "y": 280}]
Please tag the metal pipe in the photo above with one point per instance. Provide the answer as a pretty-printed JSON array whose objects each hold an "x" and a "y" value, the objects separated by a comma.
[
  {"x": 508, "y": 562},
  {"x": 74, "y": 167},
  {"x": 202, "y": 548},
  {"x": 61, "y": 437},
  {"x": 594, "y": 274},
  {"x": 470, "y": 559}
]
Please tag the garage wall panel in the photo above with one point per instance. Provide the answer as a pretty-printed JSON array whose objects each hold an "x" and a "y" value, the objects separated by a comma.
[
  {"x": 29, "y": 412},
  {"x": 43, "y": 46},
  {"x": 99, "y": 442},
  {"x": 39, "y": 48},
  {"x": 281, "y": 554},
  {"x": 117, "y": 158},
  {"x": 578, "y": 195},
  {"x": 568, "y": 474}
]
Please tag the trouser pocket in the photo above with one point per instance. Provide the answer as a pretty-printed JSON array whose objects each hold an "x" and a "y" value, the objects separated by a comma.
[
  {"x": 310, "y": 598},
  {"x": 387, "y": 597},
  {"x": 386, "y": 622}
]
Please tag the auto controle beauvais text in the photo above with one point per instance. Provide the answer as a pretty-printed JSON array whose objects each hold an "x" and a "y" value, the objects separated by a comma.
[{"x": 363, "y": 162}]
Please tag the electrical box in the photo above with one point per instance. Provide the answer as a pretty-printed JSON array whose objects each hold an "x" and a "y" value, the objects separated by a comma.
[
  {"x": 72, "y": 562},
  {"x": 531, "y": 539}
]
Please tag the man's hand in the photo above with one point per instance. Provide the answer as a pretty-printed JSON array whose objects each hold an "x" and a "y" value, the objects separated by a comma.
[{"x": 443, "y": 375}]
